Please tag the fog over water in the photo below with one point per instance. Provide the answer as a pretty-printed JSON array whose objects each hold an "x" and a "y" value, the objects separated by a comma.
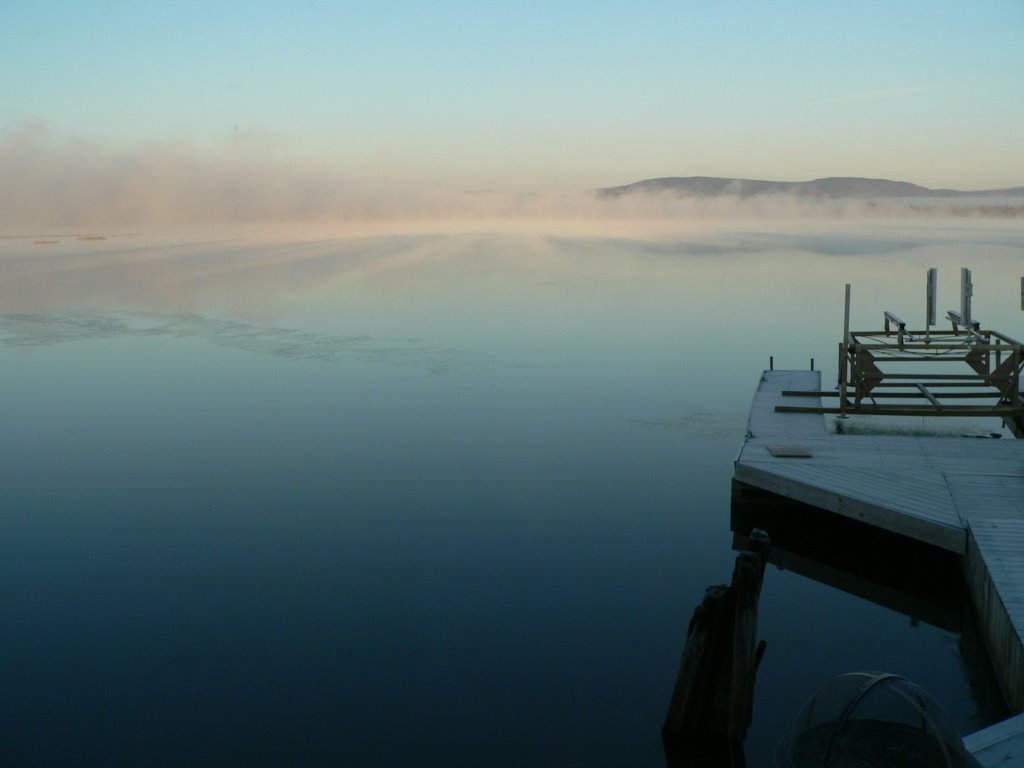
[
  {"x": 371, "y": 493},
  {"x": 58, "y": 182}
]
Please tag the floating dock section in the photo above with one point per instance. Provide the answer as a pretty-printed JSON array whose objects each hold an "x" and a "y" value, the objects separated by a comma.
[
  {"x": 965, "y": 495},
  {"x": 999, "y": 745}
]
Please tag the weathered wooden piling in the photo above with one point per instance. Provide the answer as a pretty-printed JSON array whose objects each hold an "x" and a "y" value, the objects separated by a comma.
[{"x": 712, "y": 702}]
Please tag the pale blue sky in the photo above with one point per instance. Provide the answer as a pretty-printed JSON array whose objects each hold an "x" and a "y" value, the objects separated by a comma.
[{"x": 551, "y": 95}]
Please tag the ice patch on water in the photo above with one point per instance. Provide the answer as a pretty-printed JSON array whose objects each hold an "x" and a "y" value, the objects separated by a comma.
[
  {"x": 60, "y": 328},
  {"x": 701, "y": 423}
]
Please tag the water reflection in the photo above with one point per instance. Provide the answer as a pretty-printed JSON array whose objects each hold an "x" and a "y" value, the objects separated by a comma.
[
  {"x": 246, "y": 520},
  {"x": 839, "y": 245},
  {"x": 904, "y": 575},
  {"x": 922, "y": 583}
]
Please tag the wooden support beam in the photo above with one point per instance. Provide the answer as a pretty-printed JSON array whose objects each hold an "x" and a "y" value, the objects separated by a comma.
[
  {"x": 958, "y": 321},
  {"x": 910, "y": 395},
  {"x": 901, "y": 327},
  {"x": 865, "y": 341},
  {"x": 935, "y": 376},
  {"x": 965, "y": 356},
  {"x": 1015, "y": 425},
  {"x": 999, "y": 411},
  {"x": 937, "y": 384},
  {"x": 931, "y": 398}
]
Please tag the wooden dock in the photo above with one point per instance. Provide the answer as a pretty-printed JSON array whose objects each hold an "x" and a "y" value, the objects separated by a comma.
[
  {"x": 999, "y": 745},
  {"x": 965, "y": 495}
]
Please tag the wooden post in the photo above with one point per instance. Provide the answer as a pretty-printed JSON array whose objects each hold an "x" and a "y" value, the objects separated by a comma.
[
  {"x": 695, "y": 682},
  {"x": 747, "y": 585},
  {"x": 712, "y": 701}
]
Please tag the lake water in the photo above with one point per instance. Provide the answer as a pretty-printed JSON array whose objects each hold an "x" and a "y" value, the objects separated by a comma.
[{"x": 438, "y": 497}]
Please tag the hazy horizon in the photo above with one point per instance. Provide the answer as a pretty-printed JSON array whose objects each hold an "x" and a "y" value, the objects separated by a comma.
[
  {"x": 54, "y": 182},
  {"x": 226, "y": 112}
]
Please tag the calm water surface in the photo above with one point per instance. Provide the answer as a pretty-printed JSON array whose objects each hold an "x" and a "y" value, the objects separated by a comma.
[{"x": 447, "y": 499}]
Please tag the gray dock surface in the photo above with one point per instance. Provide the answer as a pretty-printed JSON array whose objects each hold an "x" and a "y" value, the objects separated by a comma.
[
  {"x": 999, "y": 745},
  {"x": 965, "y": 495}
]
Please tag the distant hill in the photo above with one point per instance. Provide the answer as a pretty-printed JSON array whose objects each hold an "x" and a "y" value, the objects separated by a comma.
[{"x": 834, "y": 188}]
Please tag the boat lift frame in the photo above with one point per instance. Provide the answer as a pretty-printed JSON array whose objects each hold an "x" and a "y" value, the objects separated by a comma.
[{"x": 988, "y": 373}]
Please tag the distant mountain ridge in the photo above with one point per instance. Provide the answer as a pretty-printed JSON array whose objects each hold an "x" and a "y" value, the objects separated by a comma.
[{"x": 833, "y": 187}]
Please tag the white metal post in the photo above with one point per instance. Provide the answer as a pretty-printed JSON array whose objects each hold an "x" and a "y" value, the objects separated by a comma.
[{"x": 846, "y": 354}]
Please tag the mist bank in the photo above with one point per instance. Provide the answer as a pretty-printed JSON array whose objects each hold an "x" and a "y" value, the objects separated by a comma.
[
  {"x": 73, "y": 185},
  {"x": 831, "y": 188}
]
